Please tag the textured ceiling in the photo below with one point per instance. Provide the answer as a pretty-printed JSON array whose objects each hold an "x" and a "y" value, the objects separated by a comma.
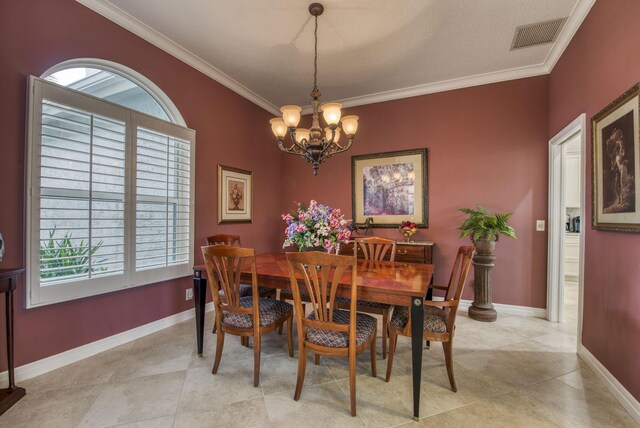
[{"x": 365, "y": 47}]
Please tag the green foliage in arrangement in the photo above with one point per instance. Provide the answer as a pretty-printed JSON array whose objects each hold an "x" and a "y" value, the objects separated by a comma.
[
  {"x": 481, "y": 224},
  {"x": 62, "y": 253}
]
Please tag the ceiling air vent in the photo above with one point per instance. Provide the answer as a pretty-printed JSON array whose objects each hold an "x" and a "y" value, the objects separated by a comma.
[{"x": 537, "y": 34}]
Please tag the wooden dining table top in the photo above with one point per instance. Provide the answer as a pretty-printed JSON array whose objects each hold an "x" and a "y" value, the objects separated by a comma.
[{"x": 382, "y": 281}]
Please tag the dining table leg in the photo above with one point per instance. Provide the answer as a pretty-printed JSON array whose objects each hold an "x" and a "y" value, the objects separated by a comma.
[
  {"x": 417, "y": 333},
  {"x": 199, "y": 300}
]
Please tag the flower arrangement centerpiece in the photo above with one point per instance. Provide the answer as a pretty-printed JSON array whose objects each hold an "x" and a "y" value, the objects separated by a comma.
[
  {"x": 316, "y": 227},
  {"x": 408, "y": 229}
]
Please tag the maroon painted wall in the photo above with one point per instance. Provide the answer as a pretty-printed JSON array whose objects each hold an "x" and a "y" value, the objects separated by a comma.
[
  {"x": 486, "y": 144},
  {"x": 41, "y": 33},
  {"x": 602, "y": 62}
]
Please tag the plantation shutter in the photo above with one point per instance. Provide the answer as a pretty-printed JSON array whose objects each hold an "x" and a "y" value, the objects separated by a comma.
[
  {"x": 82, "y": 191},
  {"x": 163, "y": 196}
]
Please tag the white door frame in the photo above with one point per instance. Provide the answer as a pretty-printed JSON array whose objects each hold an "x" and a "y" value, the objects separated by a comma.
[{"x": 555, "y": 254}]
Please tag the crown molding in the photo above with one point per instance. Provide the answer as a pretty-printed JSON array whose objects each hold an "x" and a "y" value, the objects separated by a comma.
[
  {"x": 442, "y": 86},
  {"x": 122, "y": 18},
  {"x": 137, "y": 27},
  {"x": 576, "y": 18}
]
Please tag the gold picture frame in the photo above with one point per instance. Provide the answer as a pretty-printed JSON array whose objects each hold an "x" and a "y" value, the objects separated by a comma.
[
  {"x": 390, "y": 188},
  {"x": 235, "y": 195},
  {"x": 615, "y": 172}
]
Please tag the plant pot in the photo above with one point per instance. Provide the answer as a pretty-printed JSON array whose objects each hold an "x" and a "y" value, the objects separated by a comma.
[
  {"x": 482, "y": 307},
  {"x": 484, "y": 247}
]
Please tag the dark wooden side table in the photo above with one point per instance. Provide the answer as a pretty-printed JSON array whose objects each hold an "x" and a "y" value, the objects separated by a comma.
[
  {"x": 412, "y": 252},
  {"x": 8, "y": 282}
]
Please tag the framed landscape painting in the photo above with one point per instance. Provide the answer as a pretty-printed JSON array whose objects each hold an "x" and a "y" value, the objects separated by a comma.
[
  {"x": 390, "y": 188},
  {"x": 235, "y": 194},
  {"x": 616, "y": 164}
]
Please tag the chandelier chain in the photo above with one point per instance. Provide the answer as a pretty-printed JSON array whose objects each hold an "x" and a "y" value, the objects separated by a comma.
[{"x": 315, "y": 58}]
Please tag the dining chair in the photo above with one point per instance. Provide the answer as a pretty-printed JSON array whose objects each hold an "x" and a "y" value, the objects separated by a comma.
[
  {"x": 288, "y": 295},
  {"x": 244, "y": 316},
  {"x": 245, "y": 289},
  {"x": 439, "y": 316},
  {"x": 374, "y": 249},
  {"x": 328, "y": 330}
]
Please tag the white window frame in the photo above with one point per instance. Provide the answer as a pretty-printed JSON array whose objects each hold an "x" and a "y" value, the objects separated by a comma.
[{"x": 37, "y": 295}]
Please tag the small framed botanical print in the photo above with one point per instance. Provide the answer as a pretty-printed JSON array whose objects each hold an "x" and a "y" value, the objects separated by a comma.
[
  {"x": 235, "y": 195},
  {"x": 615, "y": 133}
]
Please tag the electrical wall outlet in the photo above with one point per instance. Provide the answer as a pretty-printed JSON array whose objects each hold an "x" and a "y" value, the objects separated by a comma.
[
  {"x": 540, "y": 225},
  {"x": 189, "y": 294}
]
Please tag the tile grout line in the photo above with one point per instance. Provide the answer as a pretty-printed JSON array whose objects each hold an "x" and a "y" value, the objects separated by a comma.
[
  {"x": 90, "y": 406},
  {"x": 184, "y": 380}
]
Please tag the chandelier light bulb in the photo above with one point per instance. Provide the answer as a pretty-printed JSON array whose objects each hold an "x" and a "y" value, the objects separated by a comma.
[
  {"x": 302, "y": 134},
  {"x": 328, "y": 133},
  {"x": 278, "y": 127},
  {"x": 350, "y": 124},
  {"x": 331, "y": 113},
  {"x": 291, "y": 115}
]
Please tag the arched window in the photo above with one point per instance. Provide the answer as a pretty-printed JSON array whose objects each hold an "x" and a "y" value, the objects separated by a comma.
[
  {"x": 116, "y": 83},
  {"x": 110, "y": 197}
]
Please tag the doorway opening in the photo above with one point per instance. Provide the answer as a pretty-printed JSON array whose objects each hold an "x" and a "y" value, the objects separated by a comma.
[{"x": 567, "y": 153}]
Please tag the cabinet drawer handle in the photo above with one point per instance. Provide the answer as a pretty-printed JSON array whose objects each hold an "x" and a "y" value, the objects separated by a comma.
[{"x": 402, "y": 252}]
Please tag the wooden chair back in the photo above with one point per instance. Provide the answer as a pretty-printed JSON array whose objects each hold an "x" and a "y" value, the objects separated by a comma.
[
  {"x": 457, "y": 281},
  {"x": 321, "y": 273},
  {"x": 224, "y": 265},
  {"x": 376, "y": 248},
  {"x": 224, "y": 239}
]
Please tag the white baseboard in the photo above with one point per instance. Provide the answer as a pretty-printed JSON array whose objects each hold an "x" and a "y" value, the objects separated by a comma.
[
  {"x": 625, "y": 398},
  {"x": 62, "y": 359},
  {"x": 525, "y": 311}
]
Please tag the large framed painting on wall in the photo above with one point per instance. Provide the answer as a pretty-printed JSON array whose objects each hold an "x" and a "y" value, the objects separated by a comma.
[
  {"x": 235, "y": 195},
  {"x": 390, "y": 188},
  {"x": 616, "y": 164}
]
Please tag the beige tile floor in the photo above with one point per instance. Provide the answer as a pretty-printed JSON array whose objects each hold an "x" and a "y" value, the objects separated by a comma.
[{"x": 516, "y": 372}]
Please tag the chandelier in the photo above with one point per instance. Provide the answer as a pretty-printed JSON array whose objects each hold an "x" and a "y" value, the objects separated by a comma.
[{"x": 314, "y": 145}]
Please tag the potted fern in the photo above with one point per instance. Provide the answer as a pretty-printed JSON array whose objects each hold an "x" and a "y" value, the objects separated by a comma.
[{"x": 484, "y": 228}]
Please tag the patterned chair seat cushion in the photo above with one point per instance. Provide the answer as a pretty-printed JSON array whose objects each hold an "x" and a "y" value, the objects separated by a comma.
[
  {"x": 271, "y": 311},
  {"x": 346, "y": 301},
  {"x": 435, "y": 319},
  {"x": 288, "y": 294},
  {"x": 245, "y": 290},
  {"x": 365, "y": 327}
]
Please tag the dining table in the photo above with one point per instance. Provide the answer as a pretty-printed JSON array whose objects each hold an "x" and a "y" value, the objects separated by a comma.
[{"x": 394, "y": 283}]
